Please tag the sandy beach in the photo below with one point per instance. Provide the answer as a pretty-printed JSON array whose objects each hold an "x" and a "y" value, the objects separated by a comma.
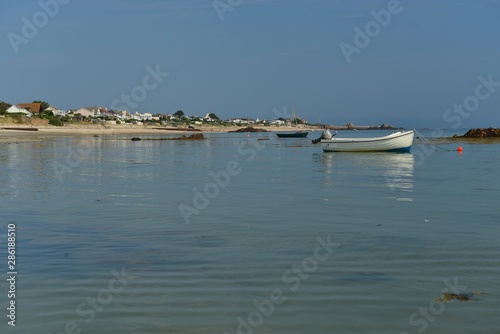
[{"x": 25, "y": 133}]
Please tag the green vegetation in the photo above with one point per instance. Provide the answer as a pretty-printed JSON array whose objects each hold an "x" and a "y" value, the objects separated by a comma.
[
  {"x": 55, "y": 121},
  {"x": 4, "y": 106},
  {"x": 298, "y": 121},
  {"x": 213, "y": 116},
  {"x": 44, "y": 105},
  {"x": 179, "y": 118},
  {"x": 15, "y": 119},
  {"x": 47, "y": 114}
]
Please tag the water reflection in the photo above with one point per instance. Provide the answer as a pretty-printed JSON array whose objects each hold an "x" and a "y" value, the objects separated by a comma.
[
  {"x": 24, "y": 170},
  {"x": 10, "y": 158},
  {"x": 399, "y": 173},
  {"x": 395, "y": 171}
]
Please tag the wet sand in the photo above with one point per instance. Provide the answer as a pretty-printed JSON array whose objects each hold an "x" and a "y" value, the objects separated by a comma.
[{"x": 24, "y": 133}]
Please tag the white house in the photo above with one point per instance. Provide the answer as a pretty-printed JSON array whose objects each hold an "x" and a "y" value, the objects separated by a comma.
[
  {"x": 147, "y": 116},
  {"x": 137, "y": 116},
  {"x": 124, "y": 115},
  {"x": 96, "y": 111},
  {"x": 56, "y": 111},
  {"x": 207, "y": 118},
  {"x": 18, "y": 110},
  {"x": 240, "y": 120},
  {"x": 84, "y": 112},
  {"x": 59, "y": 112},
  {"x": 278, "y": 122}
]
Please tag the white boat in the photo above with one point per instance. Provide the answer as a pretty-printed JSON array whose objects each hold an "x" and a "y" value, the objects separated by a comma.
[{"x": 396, "y": 142}]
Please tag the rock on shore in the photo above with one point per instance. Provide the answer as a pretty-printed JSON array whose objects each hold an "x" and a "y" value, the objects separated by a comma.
[
  {"x": 250, "y": 129},
  {"x": 481, "y": 133}
]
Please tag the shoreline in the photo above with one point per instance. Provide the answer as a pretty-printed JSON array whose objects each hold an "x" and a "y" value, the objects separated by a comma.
[
  {"x": 9, "y": 129},
  {"x": 25, "y": 133},
  {"x": 21, "y": 133},
  {"x": 92, "y": 129}
]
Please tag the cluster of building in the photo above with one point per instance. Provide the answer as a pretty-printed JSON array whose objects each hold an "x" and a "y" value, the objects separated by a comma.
[
  {"x": 25, "y": 108},
  {"x": 30, "y": 109}
]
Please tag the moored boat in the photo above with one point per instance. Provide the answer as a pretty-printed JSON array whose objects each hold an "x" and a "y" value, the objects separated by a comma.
[
  {"x": 396, "y": 142},
  {"x": 298, "y": 134}
]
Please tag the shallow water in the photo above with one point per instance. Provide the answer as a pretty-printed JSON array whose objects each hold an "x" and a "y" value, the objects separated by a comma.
[{"x": 99, "y": 218}]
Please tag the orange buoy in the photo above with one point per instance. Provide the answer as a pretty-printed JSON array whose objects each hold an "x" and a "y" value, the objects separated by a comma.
[{"x": 460, "y": 149}]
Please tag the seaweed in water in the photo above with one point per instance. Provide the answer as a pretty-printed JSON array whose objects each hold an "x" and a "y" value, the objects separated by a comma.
[{"x": 463, "y": 297}]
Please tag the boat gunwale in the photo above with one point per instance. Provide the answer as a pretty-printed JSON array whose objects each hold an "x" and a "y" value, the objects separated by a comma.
[{"x": 364, "y": 139}]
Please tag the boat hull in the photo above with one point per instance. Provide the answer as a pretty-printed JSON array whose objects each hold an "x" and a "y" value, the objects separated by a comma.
[
  {"x": 292, "y": 135},
  {"x": 396, "y": 142}
]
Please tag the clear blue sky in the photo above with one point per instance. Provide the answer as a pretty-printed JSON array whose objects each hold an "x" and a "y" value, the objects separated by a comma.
[{"x": 264, "y": 54}]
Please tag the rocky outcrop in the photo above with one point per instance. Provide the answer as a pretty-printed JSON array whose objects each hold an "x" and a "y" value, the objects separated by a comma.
[
  {"x": 350, "y": 126},
  {"x": 249, "y": 129},
  {"x": 196, "y": 136},
  {"x": 382, "y": 127},
  {"x": 179, "y": 129},
  {"x": 481, "y": 133}
]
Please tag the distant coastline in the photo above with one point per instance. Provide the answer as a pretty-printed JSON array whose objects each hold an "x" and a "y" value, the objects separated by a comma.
[
  {"x": 13, "y": 132},
  {"x": 363, "y": 127}
]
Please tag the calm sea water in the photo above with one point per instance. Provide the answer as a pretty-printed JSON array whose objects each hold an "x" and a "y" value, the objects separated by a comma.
[{"x": 239, "y": 235}]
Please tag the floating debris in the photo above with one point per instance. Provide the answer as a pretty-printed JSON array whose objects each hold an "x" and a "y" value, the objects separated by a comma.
[{"x": 463, "y": 297}]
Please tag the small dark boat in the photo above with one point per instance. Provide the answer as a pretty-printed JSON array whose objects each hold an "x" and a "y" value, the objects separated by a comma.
[{"x": 298, "y": 134}]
